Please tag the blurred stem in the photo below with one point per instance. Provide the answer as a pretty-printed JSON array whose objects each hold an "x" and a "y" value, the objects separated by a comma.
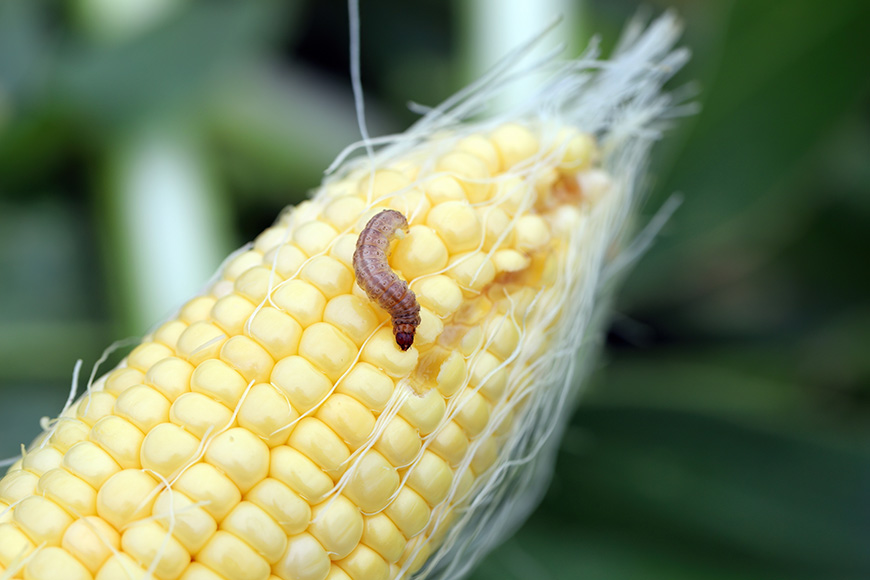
[
  {"x": 489, "y": 29},
  {"x": 167, "y": 231}
]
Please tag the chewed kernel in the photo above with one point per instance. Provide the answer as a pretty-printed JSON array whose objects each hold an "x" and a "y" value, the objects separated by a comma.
[
  {"x": 515, "y": 144},
  {"x": 457, "y": 224},
  {"x": 430, "y": 327},
  {"x": 421, "y": 252},
  {"x": 471, "y": 172},
  {"x": 451, "y": 375}
]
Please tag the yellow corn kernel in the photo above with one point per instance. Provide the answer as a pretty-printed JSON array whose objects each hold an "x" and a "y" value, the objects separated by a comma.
[
  {"x": 52, "y": 562},
  {"x": 457, "y": 224},
  {"x": 304, "y": 559},
  {"x": 368, "y": 385},
  {"x": 279, "y": 333},
  {"x": 290, "y": 512},
  {"x": 257, "y": 528},
  {"x": 299, "y": 473},
  {"x": 373, "y": 481},
  {"x": 329, "y": 349},
  {"x": 69, "y": 492},
  {"x": 147, "y": 541},
  {"x": 353, "y": 316},
  {"x": 304, "y": 385},
  {"x": 142, "y": 406},
  {"x": 365, "y": 564},
  {"x": 120, "y": 438},
  {"x": 204, "y": 483},
  {"x": 191, "y": 525},
  {"x": 231, "y": 557},
  {"x": 126, "y": 496},
  {"x": 167, "y": 448},
  {"x": 338, "y": 525},
  {"x": 170, "y": 376},
  {"x": 241, "y": 455},
  {"x": 41, "y": 519},
  {"x": 266, "y": 412},
  {"x": 381, "y": 535},
  {"x": 348, "y": 418},
  {"x": 301, "y": 300}
]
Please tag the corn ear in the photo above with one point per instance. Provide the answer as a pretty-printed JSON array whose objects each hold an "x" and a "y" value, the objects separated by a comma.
[{"x": 273, "y": 428}]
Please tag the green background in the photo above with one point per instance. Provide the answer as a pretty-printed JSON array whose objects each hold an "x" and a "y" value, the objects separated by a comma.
[{"x": 725, "y": 434}]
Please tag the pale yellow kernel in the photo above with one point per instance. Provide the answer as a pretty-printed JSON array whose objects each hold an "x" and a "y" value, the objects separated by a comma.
[
  {"x": 167, "y": 448},
  {"x": 431, "y": 477},
  {"x": 199, "y": 414},
  {"x": 171, "y": 377},
  {"x": 473, "y": 412},
  {"x": 119, "y": 379},
  {"x": 471, "y": 341},
  {"x": 510, "y": 261},
  {"x": 232, "y": 558},
  {"x": 421, "y": 252},
  {"x": 206, "y": 484},
  {"x": 90, "y": 463},
  {"x": 17, "y": 485},
  {"x": 120, "y": 566},
  {"x": 352, "y": 315},
  {"x": 300, "y": 300},
  {"x": 146, "y": 354},
  {"x": 450, "y": 443},
  {"x": 303, "y": 384},
  {"x": 266, "y": 412},
  {"x": 440, "y": 294},
  {"x": 120, "y": 438},
  {"x": 515, "y": 144},
  {"x": 383, "y": 183},
  {"x": 168, "y": 332},
  {"x": 147, "y": 541},
  {"x": 67, "y": 433},
  {"x": 257, "y": 528},
  {"x": 191, "y": 524},
  {"x": 277, "y": 332},
  {"x": 285, "y": 259},
  {"x": 350, "y": 419},
  {"x": 457, "y": 224},
  {"x": 270, "y": 238},
  {"x": 91, "y": 541},
  {"x": 413, "y": 204},
  {"x": 304, "y": 559},
  {"x": 219, "y": 380},
  {"x": 484, "y": 455},
  {"x": 498, "y": 230},
  {"x": 197, "y": 309},
  {"x": 424, "y": 412},
  {"x": 383, "y": 352},
  {"x": 409, "y": 512},
  {"x": 201, "y": 341},
  {"x": 473, "y": 311},
  {"x": 483, "y": 149},
  {"x": 452, "y": 374},
  {"x": 488, "y": 375},
  {"x": 472, "y": 271},
  {"x": 126, "y": 496},
  {"x": 41, "y": 519},
  {"x": 381, "y": 535},
  {"x": 69, "y": 492},
  {"x": 343, "y": 248},
  {"x": 372, "y": 483},
  {"x": 470, "y": 171},
  {"x": 231, "y": 312},
  {"x": 338, "y": 525},
  {"x": 197, "y": 571},
  {"x": 329, "y": 275},
  {"x": 241, "y": 262},
  {"x": 319, "y": 443},
  {"x": 40, "y": 461},
  {"x": 14, "y": 544},
  {"x": 240, "y": 455},
  {"x": 5, "y": 512},
  {"x": 328, "y": 349},
  {"x": 430, "y": 328},
  {"x": 51, "y": 563},
  {"x": 143, "y": 406},
  {"x": 314, "y": 237},
  {"x": 344, "y": 211},
  {"x": 444, "y": 188},
  {"x": 576, "y": 150},
  {"x": 532, "y": 232},
  {"x": 247, "y": 357},
  {"x": 336, "y": 573},
  {"x": 416, "y": 552},
  {"x": 594, "y": 185},
  {"x": 94, "y": 406},
  {"x": 368, "y": 385},
  {"x": 399, "y": 442},
  {"x": 256, "y": 283},
  {"x": 365, "y": 564},
  {"x": 290, "y": 512}
]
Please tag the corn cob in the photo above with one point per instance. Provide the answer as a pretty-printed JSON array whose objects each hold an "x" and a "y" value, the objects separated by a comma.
[{"x": 274, "y": 428}]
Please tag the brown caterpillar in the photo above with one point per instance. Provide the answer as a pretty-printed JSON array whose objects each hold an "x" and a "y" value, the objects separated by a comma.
[{"x": 380, "y": 283}]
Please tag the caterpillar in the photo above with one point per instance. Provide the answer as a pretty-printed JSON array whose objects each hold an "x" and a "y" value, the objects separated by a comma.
[{"x": 379, "y": 282}]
